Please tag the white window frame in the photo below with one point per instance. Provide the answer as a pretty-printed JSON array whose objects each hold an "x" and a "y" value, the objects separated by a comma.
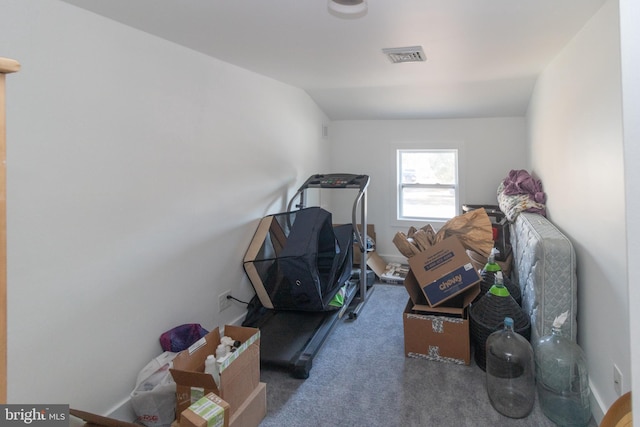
[{"x": 455, "y": 146}]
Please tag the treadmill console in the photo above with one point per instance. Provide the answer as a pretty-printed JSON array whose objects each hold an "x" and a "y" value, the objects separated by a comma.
[{"x": 336, "y": 180}]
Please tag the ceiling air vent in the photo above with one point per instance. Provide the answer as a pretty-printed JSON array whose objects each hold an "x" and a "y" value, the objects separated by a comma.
[{"x": 405, "y": 54}]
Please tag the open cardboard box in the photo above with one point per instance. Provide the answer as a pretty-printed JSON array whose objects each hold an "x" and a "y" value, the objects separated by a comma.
[
  {"x": 443, "y": 271},
  {"x": 239, "y": 375},
  {"x": 436, "y": 337},
  {"x": 437, "y": 333},
  {"x": 374, "y": 261}
]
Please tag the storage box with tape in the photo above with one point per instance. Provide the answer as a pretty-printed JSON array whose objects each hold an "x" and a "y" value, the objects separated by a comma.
[
  {"x": 239, "y": 374},
  {"x": 209, "y": 411},
  {"x": 436, "y": 337},
  {"x": 437, "y": 333},
  {"x": 443, "y": 271},
  {"x": 250, "y": 413}
]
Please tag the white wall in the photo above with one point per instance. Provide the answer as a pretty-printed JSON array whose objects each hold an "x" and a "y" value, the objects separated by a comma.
[
  {"x": 137, "y": 172},
  {"x": 576, "y": 149},
  {"x": 489, "y": 149},
  {"x": 630, "y": 40}
]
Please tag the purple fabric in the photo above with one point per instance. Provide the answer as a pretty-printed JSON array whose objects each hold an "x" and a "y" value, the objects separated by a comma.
[
  {"x": 520, "y": 182},
  {"x": 181, "y": 337}
]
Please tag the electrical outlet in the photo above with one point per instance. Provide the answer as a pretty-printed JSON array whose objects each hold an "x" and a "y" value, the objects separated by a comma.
[
  {"x": 223, "y": 301},
  {"x": 617, "y": 380}
]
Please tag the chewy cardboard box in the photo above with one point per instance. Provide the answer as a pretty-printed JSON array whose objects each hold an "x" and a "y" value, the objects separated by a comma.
[
  {"x": 209, "y": 411},
  {"x": 443, "y": 271},
  {"x": 437, "y": 333},
  {"x": 239, "y": 374},
  {"x": 436, "y": 337}
]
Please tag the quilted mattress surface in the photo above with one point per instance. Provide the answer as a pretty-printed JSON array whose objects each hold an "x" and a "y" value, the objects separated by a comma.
[{"x": 545, "y": 269}]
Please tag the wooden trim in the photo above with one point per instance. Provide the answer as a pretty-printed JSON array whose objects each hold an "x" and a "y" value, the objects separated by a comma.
[
  {"x": 9, "y": 65},
  {"x": 620, "y": 413},
  {"x": 6, "y": 66}
]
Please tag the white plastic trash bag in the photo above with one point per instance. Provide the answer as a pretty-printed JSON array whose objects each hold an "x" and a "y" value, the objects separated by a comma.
[{"x": 154, "y": 397}]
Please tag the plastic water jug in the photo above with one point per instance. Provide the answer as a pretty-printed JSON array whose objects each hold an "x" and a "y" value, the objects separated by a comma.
[
  {"x": 510, "y": 372},
  {"x": 562, "y": 378}
]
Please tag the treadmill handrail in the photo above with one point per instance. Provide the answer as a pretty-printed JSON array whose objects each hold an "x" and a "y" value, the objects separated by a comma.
[
  {"x": 362, "y": 183},
  {"x": 354, "y": 221}
]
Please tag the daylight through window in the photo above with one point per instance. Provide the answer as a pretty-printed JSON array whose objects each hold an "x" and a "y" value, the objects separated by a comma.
[{"x": 427, "y": 184}]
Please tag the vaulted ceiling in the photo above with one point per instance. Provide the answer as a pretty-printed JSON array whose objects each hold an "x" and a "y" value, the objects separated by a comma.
[{"x": 483, "y": 56}]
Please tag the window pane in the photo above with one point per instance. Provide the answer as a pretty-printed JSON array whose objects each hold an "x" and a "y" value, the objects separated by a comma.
[
  {"x": 432, "y": 167},
  {"x": 428, "y": 203}
]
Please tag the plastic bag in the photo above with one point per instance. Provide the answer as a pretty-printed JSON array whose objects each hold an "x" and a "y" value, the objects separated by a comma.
[{"x": 154, "y": 397}]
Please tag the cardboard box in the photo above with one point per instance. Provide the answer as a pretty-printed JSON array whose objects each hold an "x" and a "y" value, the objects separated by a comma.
[
  {"x": 92, "y": 420},
  {"x": 394, "y": 273},
  {"x": 374, "y": 261},
  {"x": 436, "y": 336},
  {"x": 453, "y": 307},
  {"x": 443, "y": 271},
  {"x": 437, "y": 333},
  {"x": 250, "y": 413},
  {"x": 239, "y": 376},
  {"x": 371, "y": 233},
  {"x": 253, "y": 410},
  {"x": 209, "y": 411}
]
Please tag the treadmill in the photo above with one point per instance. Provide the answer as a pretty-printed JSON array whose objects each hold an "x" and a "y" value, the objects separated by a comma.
[{"x": 290, "y": 339}]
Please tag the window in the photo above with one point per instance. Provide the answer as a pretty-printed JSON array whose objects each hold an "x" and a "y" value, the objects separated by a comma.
[{"x": 427, "y": 184}]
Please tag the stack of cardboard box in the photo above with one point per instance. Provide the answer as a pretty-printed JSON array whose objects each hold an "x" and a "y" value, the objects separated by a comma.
[
  {"x": 240, "y": 392},
  {"x": 239, "y": 401},
  {"x": 442, "y": 282}
]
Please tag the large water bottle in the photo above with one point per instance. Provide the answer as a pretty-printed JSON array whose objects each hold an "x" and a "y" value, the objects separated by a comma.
[
  {"x": 563, "y": 381},
  {"x": 510, "y": 372}
]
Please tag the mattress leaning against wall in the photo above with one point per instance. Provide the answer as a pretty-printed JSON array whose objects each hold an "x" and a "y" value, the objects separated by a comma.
[{"x": 545, "y": 268}]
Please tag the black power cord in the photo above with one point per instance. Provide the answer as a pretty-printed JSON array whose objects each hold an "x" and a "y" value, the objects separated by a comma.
[{"x": 236, "y": 299}]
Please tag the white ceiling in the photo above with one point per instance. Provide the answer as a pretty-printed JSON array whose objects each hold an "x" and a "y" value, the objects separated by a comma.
[{"x": 483, "y": 56}]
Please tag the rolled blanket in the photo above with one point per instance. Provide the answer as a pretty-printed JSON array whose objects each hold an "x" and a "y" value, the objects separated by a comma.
[
  {"x": 518, "y": 192},
  {"x": 521, "y": 182}
]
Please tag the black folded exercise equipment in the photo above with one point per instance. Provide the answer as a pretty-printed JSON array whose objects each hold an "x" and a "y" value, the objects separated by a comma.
[{"x": 298, "y": 260}]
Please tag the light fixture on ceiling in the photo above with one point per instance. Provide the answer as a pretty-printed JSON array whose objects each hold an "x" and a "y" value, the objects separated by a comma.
[{"x": 349, "y": 9}]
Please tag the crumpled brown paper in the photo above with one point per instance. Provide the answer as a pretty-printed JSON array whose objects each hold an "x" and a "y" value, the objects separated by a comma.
[{"x": 473, "y": 229}]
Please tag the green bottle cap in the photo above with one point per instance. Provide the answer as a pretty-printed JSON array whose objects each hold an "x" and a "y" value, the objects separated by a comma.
[
  {"x": 499, "y": 290},
  {"x": 492, "y": 267}
]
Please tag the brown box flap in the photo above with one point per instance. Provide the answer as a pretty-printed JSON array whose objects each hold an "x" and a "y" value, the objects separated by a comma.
[{"x": 98, "y": 420}]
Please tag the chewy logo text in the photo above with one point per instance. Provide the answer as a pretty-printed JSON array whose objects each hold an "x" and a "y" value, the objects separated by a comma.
[{"x": 455, "y": 280}]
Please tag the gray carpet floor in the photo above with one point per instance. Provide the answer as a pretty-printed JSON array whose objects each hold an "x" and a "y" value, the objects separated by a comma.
[{"x": 361, "y": 377}]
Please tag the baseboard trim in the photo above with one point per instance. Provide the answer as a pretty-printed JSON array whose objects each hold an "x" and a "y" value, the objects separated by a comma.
[{"x": 597, "y": 407}]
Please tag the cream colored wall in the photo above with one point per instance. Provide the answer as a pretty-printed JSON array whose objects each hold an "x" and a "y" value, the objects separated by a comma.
[
  {"x": 576, "y": 149},
  {"x": 488, "y": 149},
  {"x": 630, "y": 40},
  {"x": 137, "y": 172}
]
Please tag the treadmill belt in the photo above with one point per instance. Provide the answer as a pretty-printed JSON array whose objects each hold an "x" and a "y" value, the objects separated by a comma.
[{"x": 287, "y": 333}]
